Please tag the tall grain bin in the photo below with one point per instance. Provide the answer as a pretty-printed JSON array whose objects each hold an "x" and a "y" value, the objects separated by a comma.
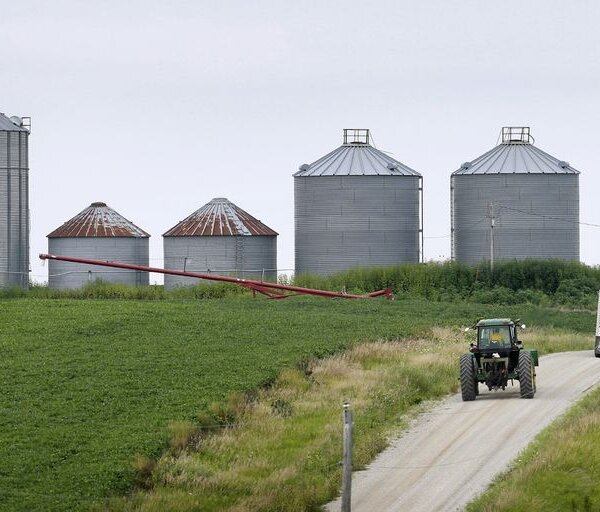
[
  {"x": 356, "y": 206},
  {"x": 515, "y": 202},
  {"x": 14, "y": 201},
  {"x": 98, "y": 232},
  {"x": 220, "y": 238}
]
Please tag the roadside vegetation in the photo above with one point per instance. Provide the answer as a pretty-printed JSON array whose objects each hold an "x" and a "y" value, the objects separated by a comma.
[
  {"x": 102, "y": 397},
  {"x": 282, "y": 451},
  {"x": 547, "y": 283},
  {"x": 557, "y": 472}
]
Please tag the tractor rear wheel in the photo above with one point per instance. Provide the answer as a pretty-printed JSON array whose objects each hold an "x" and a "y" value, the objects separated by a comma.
[
  {"x": 526, "y": 375},
  {"x": 468, "y": 385}
]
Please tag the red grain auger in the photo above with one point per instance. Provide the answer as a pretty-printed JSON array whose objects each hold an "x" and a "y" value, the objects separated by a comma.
[{"x": 271, "y": 290}]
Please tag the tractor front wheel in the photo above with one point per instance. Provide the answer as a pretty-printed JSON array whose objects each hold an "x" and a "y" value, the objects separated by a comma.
[
  {"x": 526, "y": 375},
  {"x": 468, "y": 385}
]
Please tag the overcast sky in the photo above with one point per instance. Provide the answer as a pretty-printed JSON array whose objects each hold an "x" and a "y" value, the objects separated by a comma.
[{"x": 155, "y": 107}]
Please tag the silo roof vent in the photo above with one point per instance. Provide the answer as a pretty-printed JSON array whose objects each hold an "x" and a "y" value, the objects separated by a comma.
[
  {"x": 356, "y": 136},
  {"x": 517, "y": 135},
  {"x": 14, "y": 123}
]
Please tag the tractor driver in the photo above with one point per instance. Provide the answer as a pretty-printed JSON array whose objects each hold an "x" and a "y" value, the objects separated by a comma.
[
  {"x": 499, "y": 336},
  {"x": 495, "y": 336}
]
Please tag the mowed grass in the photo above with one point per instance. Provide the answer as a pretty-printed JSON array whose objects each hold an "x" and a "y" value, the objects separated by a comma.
[
  {"x": 556, "y": 473},
  {"x": 89, "y": 388}
]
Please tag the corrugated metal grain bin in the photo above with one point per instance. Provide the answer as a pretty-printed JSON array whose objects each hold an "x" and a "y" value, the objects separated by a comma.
[
  {"x": 515, "y": 202},
  {"x": 356, "y": 207},
  {"x": 100, "y": 233},
  {"x": 223, "y": 239},
  {"x": 14, "y": 202}
]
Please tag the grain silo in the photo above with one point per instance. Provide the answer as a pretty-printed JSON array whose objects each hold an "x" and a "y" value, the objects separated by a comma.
[
  {"x": 98, "y": 232},
  {"x": 515, "y": 202},
  {"x": 220, "y": 238},
  {"x": 14, "y": 201},
  {"x": 356, "y": 206}
]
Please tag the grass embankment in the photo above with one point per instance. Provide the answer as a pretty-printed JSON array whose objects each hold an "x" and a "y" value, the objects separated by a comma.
[
  {"x": 90, "y": 387},
  {"x": 556, "y": 473}
]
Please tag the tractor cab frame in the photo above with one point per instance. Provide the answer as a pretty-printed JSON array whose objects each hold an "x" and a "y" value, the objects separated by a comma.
[{"x": 496, "y": 358}]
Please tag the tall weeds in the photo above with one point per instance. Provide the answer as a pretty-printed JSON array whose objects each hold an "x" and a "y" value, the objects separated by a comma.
[{"x": 531, "y": 281}]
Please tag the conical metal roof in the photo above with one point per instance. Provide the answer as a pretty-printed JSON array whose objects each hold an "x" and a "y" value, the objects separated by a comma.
[
  {"x": 98, "y": 220},
  {"x": 356, "y": 157},
  {"x": 220, "y": 217},
  {"x": 516, "y": 154},
  {"x": 14, "y": 124}
]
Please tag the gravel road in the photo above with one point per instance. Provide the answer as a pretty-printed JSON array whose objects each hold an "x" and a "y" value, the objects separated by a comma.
[{"x": 451, "y": 453}]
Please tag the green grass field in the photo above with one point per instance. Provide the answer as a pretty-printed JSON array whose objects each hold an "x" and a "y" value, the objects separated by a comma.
[{"x": 86, "y": 385}]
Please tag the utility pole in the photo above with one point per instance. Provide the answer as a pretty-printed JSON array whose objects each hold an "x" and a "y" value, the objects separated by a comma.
[
  {"x": 492, "y": 217},
  {"x": 347, "y": 460}
]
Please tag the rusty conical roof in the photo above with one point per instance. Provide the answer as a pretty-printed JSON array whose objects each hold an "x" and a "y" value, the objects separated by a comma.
[
  {"x": 98, "y": 220},
  {"x": 220, "y": 217}
]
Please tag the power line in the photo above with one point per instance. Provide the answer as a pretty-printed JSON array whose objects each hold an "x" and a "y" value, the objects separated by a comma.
[
  {"x": 441, "y": 236},
  {"x": 534, "y": 214},
  {"x": 562, "y": 219}
]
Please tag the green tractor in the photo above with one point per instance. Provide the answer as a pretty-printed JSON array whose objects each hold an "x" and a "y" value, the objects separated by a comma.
[{"x": 497, "y": 357}]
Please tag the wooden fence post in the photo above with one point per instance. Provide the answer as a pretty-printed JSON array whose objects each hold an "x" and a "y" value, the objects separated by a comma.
[{"x": 347, "y": 460}]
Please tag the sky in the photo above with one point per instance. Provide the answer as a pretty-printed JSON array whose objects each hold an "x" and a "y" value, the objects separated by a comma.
[{"x": 156, "y": 107}]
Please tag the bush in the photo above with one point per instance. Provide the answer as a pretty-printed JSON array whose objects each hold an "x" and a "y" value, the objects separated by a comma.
[
  {"x": 495, "y": 295},
  {"x": 576, "y": 291}
]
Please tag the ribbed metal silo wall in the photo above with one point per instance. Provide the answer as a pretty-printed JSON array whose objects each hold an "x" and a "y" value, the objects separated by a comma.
[
  {"x": 350, "y": 221},
  {"x": 14, "y": 209},
  {"x": 537, "y": 216},
  {"x": 241, "y": 256},
  {"x": 66, "y": 275},
  {"x": 258, "y": 257}
]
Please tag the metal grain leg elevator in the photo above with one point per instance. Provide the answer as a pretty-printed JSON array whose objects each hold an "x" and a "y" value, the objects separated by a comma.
[{"x": 14, "y": 201}]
